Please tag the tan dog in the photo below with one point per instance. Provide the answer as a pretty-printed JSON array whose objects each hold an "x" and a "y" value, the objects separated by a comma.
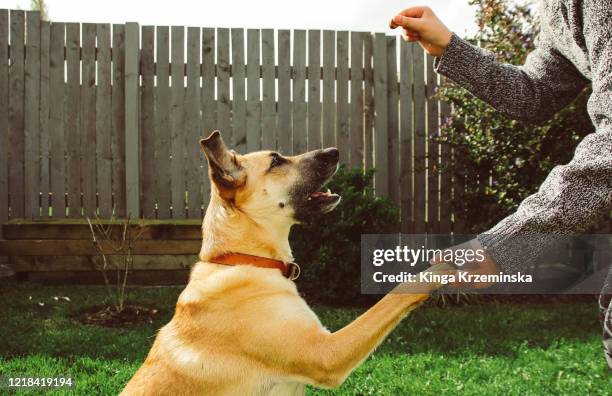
[{"x": 244, "y": 329}]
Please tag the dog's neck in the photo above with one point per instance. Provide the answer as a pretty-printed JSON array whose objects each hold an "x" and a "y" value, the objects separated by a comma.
[{"x": 226, "y": 229}]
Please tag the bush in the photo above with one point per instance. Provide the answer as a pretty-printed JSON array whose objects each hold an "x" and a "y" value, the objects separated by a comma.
[
  {"x": 328, "y": 247},
  {"x": 501, "y": 160}
]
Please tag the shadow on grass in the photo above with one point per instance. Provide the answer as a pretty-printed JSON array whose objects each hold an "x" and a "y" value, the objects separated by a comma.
[{"x": 39, "y": 324}]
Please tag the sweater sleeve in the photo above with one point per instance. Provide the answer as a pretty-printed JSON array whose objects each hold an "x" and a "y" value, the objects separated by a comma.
[
  {"x": 534, "y": 92},
  {"x": 576, "y": 194}
]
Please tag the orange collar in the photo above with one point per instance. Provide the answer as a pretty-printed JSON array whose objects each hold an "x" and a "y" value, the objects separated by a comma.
[{"x": 289, "y": 270}]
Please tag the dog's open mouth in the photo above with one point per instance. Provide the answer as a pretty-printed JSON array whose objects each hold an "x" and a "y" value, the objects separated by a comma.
[
  {"x": 309, "y": 195},
  {"x": 324, "y": 201}
]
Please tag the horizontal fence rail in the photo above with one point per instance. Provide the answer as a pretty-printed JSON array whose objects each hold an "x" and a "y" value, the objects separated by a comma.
[{"x": 105, "y": 119}]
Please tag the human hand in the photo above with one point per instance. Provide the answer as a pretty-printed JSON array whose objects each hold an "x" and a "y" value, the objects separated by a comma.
[
  {"x": 482, "y": 264},
  {"x": 421, "y": 24}
]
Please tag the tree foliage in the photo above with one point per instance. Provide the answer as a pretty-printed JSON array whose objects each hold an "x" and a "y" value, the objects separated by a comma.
[{"x": 40, "y": 5}]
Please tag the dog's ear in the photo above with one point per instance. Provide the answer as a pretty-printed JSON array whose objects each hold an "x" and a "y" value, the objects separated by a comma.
[{"x": 223, "y": 167}]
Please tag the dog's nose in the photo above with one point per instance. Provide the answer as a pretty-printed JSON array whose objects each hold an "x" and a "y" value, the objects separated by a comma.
[{"x": 329, "y": 155}]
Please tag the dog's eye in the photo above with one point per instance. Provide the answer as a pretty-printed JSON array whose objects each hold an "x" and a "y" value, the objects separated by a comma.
[{"x": 276, "y": 161}]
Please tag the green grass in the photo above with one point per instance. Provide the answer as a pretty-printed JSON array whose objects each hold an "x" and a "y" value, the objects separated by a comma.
[{"x": 486, "y": 349}]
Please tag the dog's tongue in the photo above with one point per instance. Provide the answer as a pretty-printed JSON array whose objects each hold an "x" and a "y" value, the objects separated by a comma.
[{"x": 319, "y": 194}]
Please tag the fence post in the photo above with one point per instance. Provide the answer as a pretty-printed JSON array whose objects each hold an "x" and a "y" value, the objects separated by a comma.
[{"x": 132, "y": 135}]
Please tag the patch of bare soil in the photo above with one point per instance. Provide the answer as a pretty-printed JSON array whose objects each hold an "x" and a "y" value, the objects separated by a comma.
[{"x": 131, "y": 315}]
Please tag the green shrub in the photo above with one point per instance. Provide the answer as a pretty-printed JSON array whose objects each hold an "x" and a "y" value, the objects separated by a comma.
[
  {"x": 328, "y": 247},
  {"x": 502, "y": 161}
]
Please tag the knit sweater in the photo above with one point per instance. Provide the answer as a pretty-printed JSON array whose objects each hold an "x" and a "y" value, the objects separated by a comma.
[{"x": 574, "y": 47}]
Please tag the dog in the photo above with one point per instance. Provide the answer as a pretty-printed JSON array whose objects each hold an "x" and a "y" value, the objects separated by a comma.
[{"x": 240, "y": 326}]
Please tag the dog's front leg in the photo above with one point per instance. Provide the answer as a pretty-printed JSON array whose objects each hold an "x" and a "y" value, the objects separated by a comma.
[{"x": 316, "y": 356}]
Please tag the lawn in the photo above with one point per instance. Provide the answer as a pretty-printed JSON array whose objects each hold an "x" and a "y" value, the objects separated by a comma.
[{"x": 485, "y": 349}]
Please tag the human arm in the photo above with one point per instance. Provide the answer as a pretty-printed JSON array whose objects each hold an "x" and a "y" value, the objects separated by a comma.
[
  {"x": 533, "y": 92},
  {"x": 573, "y": 195},
  {"x": 576, "y": 194}
]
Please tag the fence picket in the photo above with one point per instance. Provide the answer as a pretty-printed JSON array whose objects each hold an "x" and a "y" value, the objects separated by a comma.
[
  {"x": 268, "y": 106},
  {"x": 253, "y": 112},
  {"x": 177, "y": 122},
  {"x": 299, "y": 92},
  {"x": 381, "y": 145},
  {"x": 132, "y": 149},
  {"x": 284, "y": 134},
  {"x": 163, "y": 127},
  {"x": 368, "y": 100},
  {"x": 419, "y": 140},
  {"x": 192, "y": 124},
  {"x": 88, "y": 119},
  {"x": 393, "y": 158},
  {"x": 238, "y": 91},
  {"x": 329, "y": 76},
  {"x": 147, "y": 121},
  {"x": 314, "y": 89},
  {"x": 356, "y": 109},
  {"x": 223, "y": 84},
  {"x": 433, "y": 167},
  {"x": 16, "y": 113},
  {"x": 209, "y": 122},
  {"x": 43, "y": 118},
  {"x": 103, "y": 121},
  {"x": 342, "y": 96},
  {"x": 56, "y": 119},
  {"x": 208, "y": 104},
  {"x": 31, "y": 118},
  {"x": 73, "y": 119},
  {"x": 406, "y": 137},
  {"x": 118, "y": 121}
]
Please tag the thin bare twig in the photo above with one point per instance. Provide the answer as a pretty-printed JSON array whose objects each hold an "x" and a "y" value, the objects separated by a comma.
[{"x": 102, "y": 236}]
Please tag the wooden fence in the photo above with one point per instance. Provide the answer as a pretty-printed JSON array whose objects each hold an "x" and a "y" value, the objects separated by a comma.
[{"x": 106, "y": 118}]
